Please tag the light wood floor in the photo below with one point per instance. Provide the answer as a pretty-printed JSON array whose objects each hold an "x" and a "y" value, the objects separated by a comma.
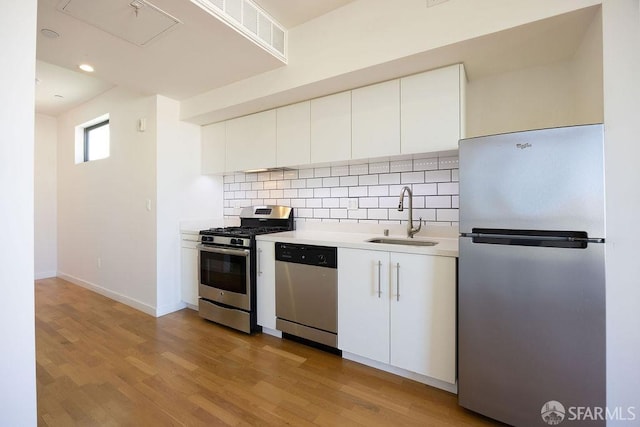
[{"x": 100, "y": 362}]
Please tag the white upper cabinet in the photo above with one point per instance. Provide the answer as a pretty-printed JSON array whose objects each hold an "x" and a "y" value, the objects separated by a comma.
[
  {"x": 376, "y": 120},
  {"x": 432, "y": 110},
  {"x": 331, "y": 128},
  {"x": 212, "y": 152},
  {"x": 293, "y": 134},
  {"x": 251, "y": 142}
]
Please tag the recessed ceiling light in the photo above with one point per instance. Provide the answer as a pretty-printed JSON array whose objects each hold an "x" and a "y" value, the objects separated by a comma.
[
  {"x": 86, "y": 67},
  {"x": 49, "y": 33}
]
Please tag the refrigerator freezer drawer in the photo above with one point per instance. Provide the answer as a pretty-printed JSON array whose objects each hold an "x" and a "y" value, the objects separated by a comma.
[{"x": 531, "y": 329}]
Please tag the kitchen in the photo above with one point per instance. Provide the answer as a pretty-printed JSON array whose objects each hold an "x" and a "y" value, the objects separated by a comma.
[{"x": 158, "y": 297}]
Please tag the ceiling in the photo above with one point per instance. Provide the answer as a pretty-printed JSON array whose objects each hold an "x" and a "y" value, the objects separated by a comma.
[{"x": 197, "y": 55}]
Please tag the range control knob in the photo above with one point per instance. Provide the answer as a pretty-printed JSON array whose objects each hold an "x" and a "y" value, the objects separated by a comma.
[{"x": 322, "y": 259}]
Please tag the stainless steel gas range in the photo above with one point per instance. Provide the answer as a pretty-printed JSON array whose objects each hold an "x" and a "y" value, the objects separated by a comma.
[{"x": 227, "y": 266}]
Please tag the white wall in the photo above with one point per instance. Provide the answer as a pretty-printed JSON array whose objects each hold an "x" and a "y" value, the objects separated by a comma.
[
  {"x": 46, "y": 206},
  {"x": 558, "y": 94},
  {"x": 102, "y": 205},
  {"x": 182, "y": 194},
  {"x": 17, "y": 358},
  {"x": 621, "y": 40},
  {"x": 363, "y": 41}
]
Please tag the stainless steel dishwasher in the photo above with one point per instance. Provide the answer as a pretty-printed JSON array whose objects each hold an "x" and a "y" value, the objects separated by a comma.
[{"x": 307, "y": 292}]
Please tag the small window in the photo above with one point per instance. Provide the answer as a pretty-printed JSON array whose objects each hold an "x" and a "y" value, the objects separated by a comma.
[{"x": 96, "y": 141}]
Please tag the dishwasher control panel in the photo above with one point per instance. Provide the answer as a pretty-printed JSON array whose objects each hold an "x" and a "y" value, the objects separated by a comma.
[{"x": 320, "y": 256}]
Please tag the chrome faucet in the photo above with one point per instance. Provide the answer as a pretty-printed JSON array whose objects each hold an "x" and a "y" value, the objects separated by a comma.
[{"x": 410, "y": 229}]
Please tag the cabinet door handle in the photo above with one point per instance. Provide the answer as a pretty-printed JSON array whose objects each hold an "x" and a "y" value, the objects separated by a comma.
[
  {"x": 379, "y": 279},
  {"x": 397, "y": 281},
  {"x": 259, "y": 254}
]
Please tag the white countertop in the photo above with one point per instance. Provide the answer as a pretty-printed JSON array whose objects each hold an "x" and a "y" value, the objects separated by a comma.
[{"x": 447, "y": 246}]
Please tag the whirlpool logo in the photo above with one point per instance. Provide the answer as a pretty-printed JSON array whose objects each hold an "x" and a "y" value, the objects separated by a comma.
[{"x": 554, "y": 412}]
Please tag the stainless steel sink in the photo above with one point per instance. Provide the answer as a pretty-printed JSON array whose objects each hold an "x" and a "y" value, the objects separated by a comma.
[{"x": 408, "y": 242}]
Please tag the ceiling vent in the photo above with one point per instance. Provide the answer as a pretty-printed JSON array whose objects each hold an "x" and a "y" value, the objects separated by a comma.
[
  {"x": 249, "y": 20},
  {"x": 138, "y": 21}
]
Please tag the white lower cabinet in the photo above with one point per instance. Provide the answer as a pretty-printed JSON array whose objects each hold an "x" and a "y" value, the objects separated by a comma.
[
  {"x": 399, "y": 309},
  {"x": 266, "y": 284},
  {"x": 189, "y": 268}
]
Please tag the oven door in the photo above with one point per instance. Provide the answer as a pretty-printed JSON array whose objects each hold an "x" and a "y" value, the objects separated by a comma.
[{"x": 224, "y": 275}]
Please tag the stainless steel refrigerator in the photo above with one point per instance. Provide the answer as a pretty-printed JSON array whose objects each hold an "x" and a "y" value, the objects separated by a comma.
[{"x": 531, "y": 296}]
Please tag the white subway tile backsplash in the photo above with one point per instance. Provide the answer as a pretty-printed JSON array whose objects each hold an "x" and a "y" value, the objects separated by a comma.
[
  {"x": 381, "y": 167},
  {"x": 328, "y": 194},
  {"x": 425, "y": 189},
  {"x": 338, "y": 213},
  {"x": 305, "y": 193},
  {"x": 339, "y": 192},
  {"x": 377, "y": 213},
  {"x": 401, "y": 166},
  {"x": 451, "y": 188},
  {"x": 339, "y": 170},
  {"x": 438, "y": 176},
  {"x": 319, "y": 193},
  {"x": 276, "y": 175},
  {"x": 389, "y": 178},
  {"x": 290, "y": 193},
  {"x": 314, "y": 183},
  {"x": 368, "y": 180},
  {"x": 305, "y": 173},
  {"x": 439, "y": 202},
  {"x": 348, "y": 181},
  {"x": 298, "y": 203},
  {"x": 411, "y": 177},
  {"x": 290, "y": 174},
  {"x": 389, "y": 202},
  {"x": 362, "y": 169},
  {"x": 447, "y": 215},
  {"x": 368, "y": 202},
  {"x": 427, "y": 164},
  {"x": 448, "y": 162},
  {"x": 331, "y": 182},
  {"x": 321, "y": 172},
  {"x": 379, "y": 190},
  {"x": 299, "y": 183},
  {"x": 314, "y": 203},
  {"x": 281, "y": 185},
  {"x": 330, "y": 203},
  {"x": 358, "y": 191}
]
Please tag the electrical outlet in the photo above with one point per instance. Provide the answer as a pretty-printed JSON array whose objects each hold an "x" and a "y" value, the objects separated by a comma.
[
  {"x": 435, "y": 2},
  {"x": 352, "y": 203}
]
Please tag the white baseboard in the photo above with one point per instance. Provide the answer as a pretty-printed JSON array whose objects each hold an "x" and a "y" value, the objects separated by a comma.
[
  {"x": 138, "y": 305},
  {"x": 44, "y": 274},
  {"x": 433, "y": 382}
]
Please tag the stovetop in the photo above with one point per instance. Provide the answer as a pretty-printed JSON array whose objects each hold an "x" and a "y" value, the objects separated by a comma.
[{"x": 243, "y": 231}]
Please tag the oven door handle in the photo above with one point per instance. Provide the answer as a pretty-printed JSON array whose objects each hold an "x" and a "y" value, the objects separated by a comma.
[{"x": 225, "y": 251}]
